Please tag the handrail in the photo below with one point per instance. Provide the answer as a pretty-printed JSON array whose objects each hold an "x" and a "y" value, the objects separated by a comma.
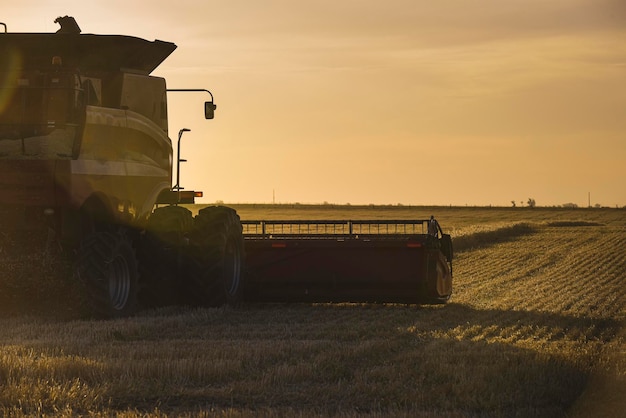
[
  {"x": 254, "y": 229},
  {"x": 336, "y": 222}
]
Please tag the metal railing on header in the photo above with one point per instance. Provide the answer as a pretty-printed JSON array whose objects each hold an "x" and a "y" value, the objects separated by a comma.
[{"x": 332, "y": 229}]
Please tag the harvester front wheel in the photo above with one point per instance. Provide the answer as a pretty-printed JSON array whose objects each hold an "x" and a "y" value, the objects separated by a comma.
[
  {"x": 218, "y": 254},
  {"x": 162, "y": 254},
  {"x": 107, "y": 266}
]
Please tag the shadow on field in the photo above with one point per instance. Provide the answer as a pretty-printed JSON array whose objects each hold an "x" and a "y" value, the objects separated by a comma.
[
  {"x": 345, "y": 359},
  {"x": 32, "y": 286},
  {"x": 483, "y": 239},
  {"x": 528, "y": 363}
]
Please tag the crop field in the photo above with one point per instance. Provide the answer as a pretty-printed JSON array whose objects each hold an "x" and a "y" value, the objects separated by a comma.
[{"x": 535, "y": 328}]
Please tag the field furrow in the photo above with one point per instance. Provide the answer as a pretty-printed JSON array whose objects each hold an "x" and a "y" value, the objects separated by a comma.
[{"x": 578, "y": 272}]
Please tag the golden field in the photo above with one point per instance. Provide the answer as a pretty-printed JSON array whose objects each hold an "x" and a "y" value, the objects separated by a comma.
[{"x": 535, "y": 327}]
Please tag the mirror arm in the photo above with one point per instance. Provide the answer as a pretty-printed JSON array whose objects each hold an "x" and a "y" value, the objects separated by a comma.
[
  {"x": 209, "y": 107},
  {"x": 191, "y": 90}
]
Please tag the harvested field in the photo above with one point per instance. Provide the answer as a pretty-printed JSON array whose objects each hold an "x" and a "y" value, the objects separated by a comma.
[{"x": 535, "y": 327}]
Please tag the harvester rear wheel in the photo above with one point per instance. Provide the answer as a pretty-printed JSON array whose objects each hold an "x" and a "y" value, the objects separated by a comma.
[
  {"x": 108, "y": 268},
  {"x": 162, "y": 254},
  {"x": 218, "y": 257}
]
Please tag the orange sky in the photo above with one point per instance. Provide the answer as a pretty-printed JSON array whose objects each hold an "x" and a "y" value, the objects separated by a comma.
[{"x": 402, "y": 101}]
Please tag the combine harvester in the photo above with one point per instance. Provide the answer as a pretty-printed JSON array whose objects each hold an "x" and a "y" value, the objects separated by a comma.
[{"x": 86, "y": 173}]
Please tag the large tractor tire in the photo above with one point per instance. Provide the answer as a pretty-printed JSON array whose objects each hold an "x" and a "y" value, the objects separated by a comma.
[
  {"x": 217, "y": 248},
  {"x": 439, "y": 280},
  {"x": 163, "y": 255},
  {"x": 107, "y": 266}
]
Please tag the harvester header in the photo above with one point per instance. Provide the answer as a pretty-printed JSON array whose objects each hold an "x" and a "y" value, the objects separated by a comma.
[{"x": 403, "y": 261}]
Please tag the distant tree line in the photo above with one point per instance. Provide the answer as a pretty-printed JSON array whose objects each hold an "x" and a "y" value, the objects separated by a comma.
[{"x": 530, "y": 203}]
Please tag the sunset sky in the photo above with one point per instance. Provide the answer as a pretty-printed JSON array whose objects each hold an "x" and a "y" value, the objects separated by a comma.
[{"x": 399, "y": 101}]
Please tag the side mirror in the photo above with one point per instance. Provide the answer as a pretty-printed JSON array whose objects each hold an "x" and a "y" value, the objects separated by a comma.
[{"x": 209, "y": 110}]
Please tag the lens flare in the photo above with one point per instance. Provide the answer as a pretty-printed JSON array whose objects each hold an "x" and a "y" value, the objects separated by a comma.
[{"x": 9, "y": 70}]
